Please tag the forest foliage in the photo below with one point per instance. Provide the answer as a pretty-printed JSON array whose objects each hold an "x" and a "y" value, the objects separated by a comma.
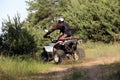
[{"x": 96, "y": 20}]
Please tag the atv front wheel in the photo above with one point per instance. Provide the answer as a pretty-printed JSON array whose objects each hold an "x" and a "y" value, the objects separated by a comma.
[
  {"x": 79, "y": 54},
  {"x": 58, "y": 56},
  {"x": 44, "y": 56}
]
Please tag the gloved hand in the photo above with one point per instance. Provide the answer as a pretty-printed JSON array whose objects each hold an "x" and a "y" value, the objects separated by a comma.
[{"x": 45, "y": 36}]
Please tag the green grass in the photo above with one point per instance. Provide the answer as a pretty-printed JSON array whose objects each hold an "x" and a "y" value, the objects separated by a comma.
[
  {"x": 98, "y": 49},
  {"x": 13, "y": 68}
]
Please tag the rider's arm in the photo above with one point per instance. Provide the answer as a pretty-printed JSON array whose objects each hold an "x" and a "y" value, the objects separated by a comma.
[{"x": 50, "y": 31}]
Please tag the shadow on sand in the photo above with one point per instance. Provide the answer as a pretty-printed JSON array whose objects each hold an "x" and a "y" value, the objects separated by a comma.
[{"x": 95, "y": 72}]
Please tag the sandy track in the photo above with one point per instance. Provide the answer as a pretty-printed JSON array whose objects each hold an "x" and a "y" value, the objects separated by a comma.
[{"x": 90, "y": 64}]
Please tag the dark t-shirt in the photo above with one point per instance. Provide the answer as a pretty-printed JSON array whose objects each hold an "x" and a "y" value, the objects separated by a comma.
[{"x": 63, "y": 27}]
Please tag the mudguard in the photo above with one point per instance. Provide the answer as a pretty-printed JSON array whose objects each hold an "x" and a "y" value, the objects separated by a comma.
[{"x": 49, "y": 48}]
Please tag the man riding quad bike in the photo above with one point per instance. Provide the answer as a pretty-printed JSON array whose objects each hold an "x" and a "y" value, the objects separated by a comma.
[
  {"x": 64, "y": 46},
  {"x": 63, "y": 27}
]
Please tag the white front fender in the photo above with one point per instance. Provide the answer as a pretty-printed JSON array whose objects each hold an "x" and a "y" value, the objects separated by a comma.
[{"x": 48, "y": 48}]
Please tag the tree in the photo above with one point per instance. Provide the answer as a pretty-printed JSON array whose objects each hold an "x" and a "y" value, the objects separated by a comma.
[
  {"x": 40, "y": 12},
  {"x": 17, "y": 40},
  {"x": 1, "y": 43},
  {"x": 96, "y": 20}
]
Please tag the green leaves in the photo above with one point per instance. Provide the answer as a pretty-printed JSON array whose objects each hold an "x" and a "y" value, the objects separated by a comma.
[
  {"x": 96, "y": 20},
  {"x": 17, "y": 40}
]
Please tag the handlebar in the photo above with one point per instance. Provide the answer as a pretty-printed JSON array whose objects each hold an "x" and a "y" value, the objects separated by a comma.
[{"x": 46, "y": 36}]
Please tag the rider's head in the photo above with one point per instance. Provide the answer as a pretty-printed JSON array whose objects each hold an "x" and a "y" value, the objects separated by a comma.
[{"x": 60, "y": 20}]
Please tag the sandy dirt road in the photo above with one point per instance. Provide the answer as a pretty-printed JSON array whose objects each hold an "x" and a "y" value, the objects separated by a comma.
[{"x": 90, "y": 69}]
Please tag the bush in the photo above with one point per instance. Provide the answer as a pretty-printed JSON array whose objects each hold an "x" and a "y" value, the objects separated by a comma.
[{"x": 16, "y": 39}]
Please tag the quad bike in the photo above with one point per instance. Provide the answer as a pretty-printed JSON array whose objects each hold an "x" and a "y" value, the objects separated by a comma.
[{"x": 59, "y": 50}]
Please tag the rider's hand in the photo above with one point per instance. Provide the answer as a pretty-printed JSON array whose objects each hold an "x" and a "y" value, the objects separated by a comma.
[{"x": 45, "y": 36}]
